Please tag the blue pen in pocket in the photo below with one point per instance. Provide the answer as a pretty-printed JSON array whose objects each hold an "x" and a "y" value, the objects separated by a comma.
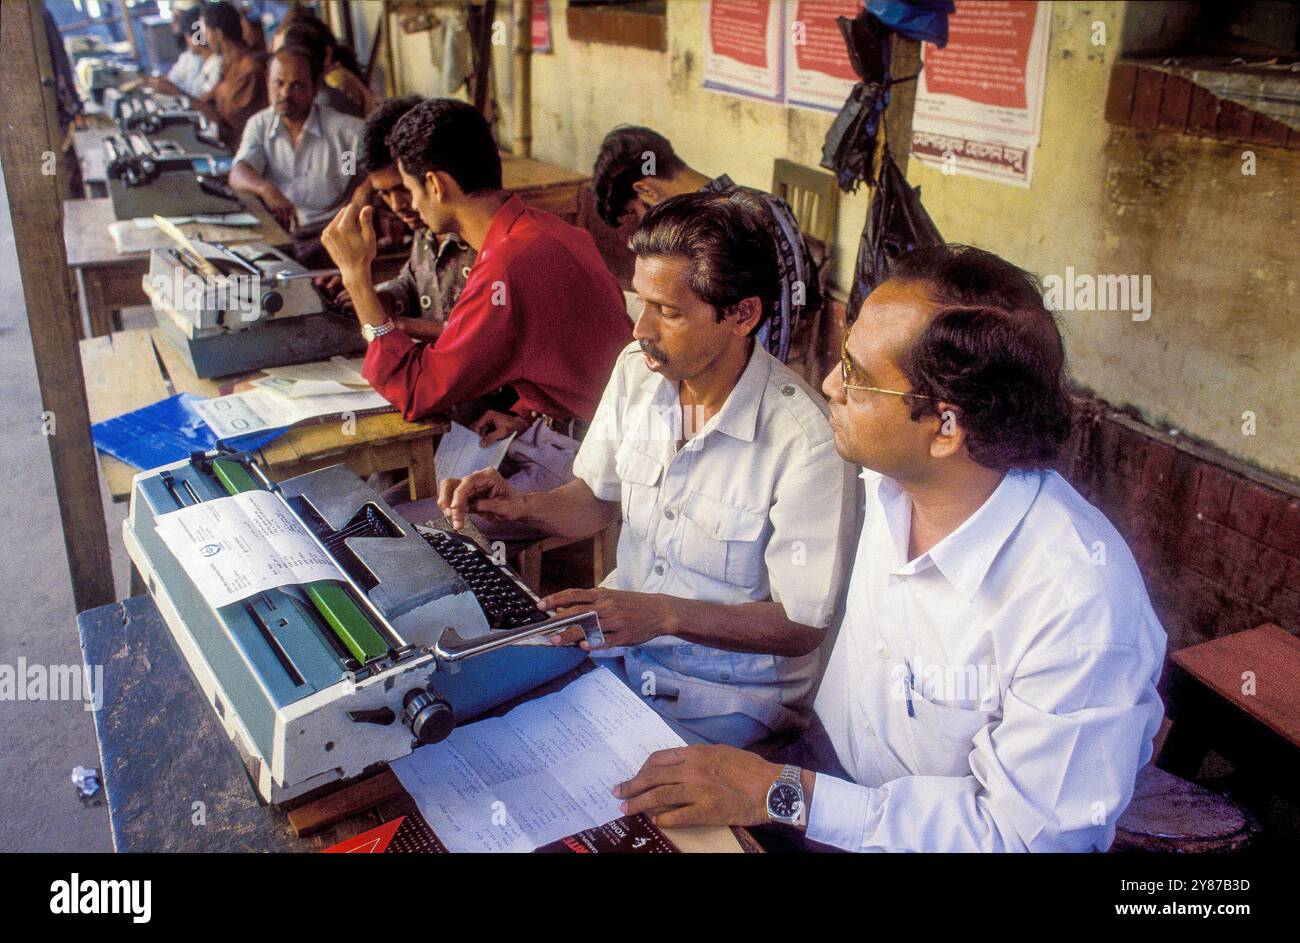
[{"x": 911, "y": 685}]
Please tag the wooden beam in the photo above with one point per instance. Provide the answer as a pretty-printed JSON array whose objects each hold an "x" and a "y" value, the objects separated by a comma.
[
  {"x": 904, "y": 61},
  {"x": 47, "y": 291},
  {"x": 130, "y": 28},
  {"x": 522, "y": 125}
]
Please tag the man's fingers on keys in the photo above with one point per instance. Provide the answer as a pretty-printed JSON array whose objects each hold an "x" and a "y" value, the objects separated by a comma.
[{"x": 571, "y": 598}]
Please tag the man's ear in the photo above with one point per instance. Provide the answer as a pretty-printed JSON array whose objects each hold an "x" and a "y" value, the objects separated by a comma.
[
  {"x": 648, "y": 191},
  {"x": 745, "y": 315},
  {"x": 434, "y": 184},
  {"x": 948, "y": 437}
]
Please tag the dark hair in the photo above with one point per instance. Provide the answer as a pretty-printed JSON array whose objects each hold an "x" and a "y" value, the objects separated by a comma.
[
  {"x": 450, "y": 136},
  {"x": 725, "y": 239},
  {"x": 219, "y": 14},
  {"x": 993, "y": 351},
  {"x": 303, "y": 26},
  {"x": 185, "y": 20},
  {"x": 375, "y": 155},
  {"x": 311, "y": 56},
  {"x": 619, "y": 165}
]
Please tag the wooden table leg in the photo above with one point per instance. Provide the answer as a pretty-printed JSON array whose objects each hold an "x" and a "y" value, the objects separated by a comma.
[
  {"x": 91, "y": 283},
  {"x": 424, "y": 478}
]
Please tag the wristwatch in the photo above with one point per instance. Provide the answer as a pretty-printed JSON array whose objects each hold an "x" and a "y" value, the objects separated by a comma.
[
  {"x": 370, "y": 332},
  {"x": 785, "y": 803}
]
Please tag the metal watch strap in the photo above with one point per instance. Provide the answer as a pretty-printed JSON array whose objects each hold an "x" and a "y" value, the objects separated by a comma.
[{"x": 791, "y": 774}]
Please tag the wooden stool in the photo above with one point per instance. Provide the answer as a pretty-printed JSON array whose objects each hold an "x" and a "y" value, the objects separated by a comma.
[
  {"x": 604, "y": 553},
  {"x": 1171, "y": 814}
]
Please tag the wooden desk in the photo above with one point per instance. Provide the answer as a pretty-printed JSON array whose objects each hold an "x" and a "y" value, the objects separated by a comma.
[
  {"x": 543, "y": 186},
  {"x": 108, "y": 279},
  {"x": 126, "y": 370},
  {"x": 1239, "y": 694},
  {"x": 164, "y": 758}
]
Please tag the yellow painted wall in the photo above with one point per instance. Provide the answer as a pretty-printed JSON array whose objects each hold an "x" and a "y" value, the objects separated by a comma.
[{"x": 1221, "y": 248}]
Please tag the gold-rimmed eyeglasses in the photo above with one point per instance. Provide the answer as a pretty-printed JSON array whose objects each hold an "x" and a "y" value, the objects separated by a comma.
[{"x": 846, "y": 375}]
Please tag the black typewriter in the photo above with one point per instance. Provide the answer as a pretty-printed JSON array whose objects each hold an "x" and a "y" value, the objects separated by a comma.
[{"x": 506, "y": 603}]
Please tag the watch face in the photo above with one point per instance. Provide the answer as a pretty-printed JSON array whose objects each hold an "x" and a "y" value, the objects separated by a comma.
[{"x": 784, "y": 801}]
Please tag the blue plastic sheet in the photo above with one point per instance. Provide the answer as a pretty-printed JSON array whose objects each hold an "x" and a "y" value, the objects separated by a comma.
[
  {"x": 166, "y": 432},
  {"x": 923, "y": 20}
]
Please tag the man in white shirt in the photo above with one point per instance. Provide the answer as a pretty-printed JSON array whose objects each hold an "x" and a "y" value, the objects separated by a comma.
[
  {"x": 737, "y": 511},
  {"x": 297, "y": 156},
  {"x": 196, "y": 71},
  {"x": 993, "y": 684}
]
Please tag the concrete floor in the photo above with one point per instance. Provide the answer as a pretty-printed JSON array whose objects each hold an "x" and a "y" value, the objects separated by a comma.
[{"x": 40, "y": 741}]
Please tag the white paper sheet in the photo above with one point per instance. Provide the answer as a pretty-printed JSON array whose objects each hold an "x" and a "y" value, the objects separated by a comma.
[
  {"x": 235, "y": 547},
  {"x": 541, "y": 772},
  {"x": 459, "y": 453},
  {"x": 266, "y": 407},
  {"x": 336, "y": 375}
]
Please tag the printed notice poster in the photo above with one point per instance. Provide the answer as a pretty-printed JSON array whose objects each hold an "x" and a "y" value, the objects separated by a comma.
[
  {"x": 743, "y": 48},
  {"x": 819, "y": 75},
  {"x": 979, "y": 102},
  {"x": 541, "y": 26}
]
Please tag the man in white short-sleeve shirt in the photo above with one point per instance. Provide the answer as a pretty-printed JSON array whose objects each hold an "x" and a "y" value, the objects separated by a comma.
[
  {"x": 737, "y": 511},
  {"x": 297, "y": 155},
  {"x": 993, "y": 683}
]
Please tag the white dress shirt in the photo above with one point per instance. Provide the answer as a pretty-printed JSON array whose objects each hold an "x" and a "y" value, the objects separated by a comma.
[
  {"x": 209, "y": 76},
  {"x": 757, "y": 506},
  {"x": 185, "y": 72},
  {"x": 314, "y": 176},
  {"x": 997, "y": 693}
]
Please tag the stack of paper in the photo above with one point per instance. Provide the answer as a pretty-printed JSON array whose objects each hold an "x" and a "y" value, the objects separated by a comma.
[
  {"x": 541, "y": 772},
  {"x": 276, "y": 401}
]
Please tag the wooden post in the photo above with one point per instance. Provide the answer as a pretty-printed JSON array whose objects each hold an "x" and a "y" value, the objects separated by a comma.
[
  {"x": 386, "y": 31},
  {"x": 523, "y": 80},
  {"x": 904, "y": 61},
  {"x": 47, "y": 291},
  {"x": 130, "y": 29}
]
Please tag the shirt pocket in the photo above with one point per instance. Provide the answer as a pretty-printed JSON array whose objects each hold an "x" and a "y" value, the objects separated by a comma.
[
  {"x": 943, "y": 736},
  {"x": 639, "y": 475},
  {"x": 723, "y": 541}
]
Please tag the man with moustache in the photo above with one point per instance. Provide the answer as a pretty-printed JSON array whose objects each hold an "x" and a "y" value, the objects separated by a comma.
[
  {"x": 298, "y": 155},
  {"x": 736, "y": 510},
  {"x": 993, "y": 685}
]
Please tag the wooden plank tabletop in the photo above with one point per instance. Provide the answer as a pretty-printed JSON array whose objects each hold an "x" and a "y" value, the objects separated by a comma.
[
  {"x": 85, "y": 233},
  {"x": 126, "y": 370},
  {"x": 1272, "y": 655}
]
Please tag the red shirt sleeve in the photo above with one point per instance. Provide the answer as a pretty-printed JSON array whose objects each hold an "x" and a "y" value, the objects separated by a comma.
[{"x": 467, "y": 359}]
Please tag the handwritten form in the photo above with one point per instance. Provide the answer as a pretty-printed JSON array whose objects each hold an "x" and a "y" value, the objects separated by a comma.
[
  {"x": 232, "y": 548},
  {"x": 541, "y": 772}
]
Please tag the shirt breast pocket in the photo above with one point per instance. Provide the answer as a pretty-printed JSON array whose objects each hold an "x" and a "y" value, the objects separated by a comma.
[
  {"x": 943, "y": 736},
  {"x": 639, "y": 475},
  {"x": 723, "y": 541}
]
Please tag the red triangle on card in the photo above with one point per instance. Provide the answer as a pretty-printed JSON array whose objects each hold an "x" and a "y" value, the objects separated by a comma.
[{"x": 373, "y": 842}]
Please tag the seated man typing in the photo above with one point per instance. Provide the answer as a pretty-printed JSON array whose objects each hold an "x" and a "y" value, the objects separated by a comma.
[
  {"x": 736, "y": 508},
  {"x": 297, "y": 155},
  {"x": 993, "y": 686},
  {"x": 539, "y": 310}
]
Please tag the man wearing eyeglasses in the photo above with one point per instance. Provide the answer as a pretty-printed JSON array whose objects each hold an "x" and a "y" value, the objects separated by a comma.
[
  {"x": 993, "y": 684},
  {"x": 737, "y": 512}
]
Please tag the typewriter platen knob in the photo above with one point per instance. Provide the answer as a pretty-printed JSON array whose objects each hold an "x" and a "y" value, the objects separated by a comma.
[{"x": 428, "y": 715}]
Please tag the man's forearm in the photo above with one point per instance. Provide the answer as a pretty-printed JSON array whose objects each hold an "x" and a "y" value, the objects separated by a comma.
[
  {"x": 365, "y": 300},
  {"x": 760, "y": 627},
  {"x": 570, "y": 510},
  {"x": 243, "y": 177}
]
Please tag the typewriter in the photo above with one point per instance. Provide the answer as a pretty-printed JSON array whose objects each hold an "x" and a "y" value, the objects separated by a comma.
[
  {"x": 318, "y": 683},
  {"x": 148, "y": 176},
  {"x": 169, "y": 118},
  {"x": 232, "y": 309}
]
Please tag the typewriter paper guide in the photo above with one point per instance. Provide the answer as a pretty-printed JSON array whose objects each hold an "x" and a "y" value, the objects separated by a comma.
[{"x": 238, "y": 546}]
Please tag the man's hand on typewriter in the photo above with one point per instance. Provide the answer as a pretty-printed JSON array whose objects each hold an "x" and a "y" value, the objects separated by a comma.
[
  {"x": 484, "y": 492},
  {"x": 493, "y": 426},
  {"x": 626, "y": 618},
  {"x": 350, "y": 240},
  {"x": 278, "y": 205}
]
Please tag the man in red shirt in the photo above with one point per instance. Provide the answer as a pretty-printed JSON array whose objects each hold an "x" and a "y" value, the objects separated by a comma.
[{"x": 539, "y": 311}]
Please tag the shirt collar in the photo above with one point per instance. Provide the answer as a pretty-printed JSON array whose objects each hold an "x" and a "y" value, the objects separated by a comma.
[
  {"x": 719, "y": 184},
  {"x": 738, "y": 416},
  {"x": 311, "y": 126},
  {"x": 964, "y": 556},
  {"x": 502, "y": 221}
]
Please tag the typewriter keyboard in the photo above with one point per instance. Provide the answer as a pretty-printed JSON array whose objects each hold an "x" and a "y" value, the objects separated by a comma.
[{"x": 504, "y": 602}]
